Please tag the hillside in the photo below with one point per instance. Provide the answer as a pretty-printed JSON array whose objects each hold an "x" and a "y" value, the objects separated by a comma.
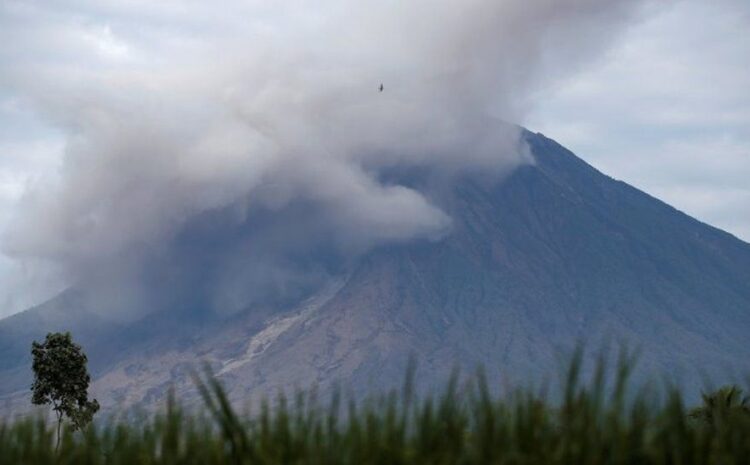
[{"x": 554, "y": 253}]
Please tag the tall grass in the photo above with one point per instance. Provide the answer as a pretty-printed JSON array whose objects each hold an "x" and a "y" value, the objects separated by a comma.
[{"x": 596, "y": 422}]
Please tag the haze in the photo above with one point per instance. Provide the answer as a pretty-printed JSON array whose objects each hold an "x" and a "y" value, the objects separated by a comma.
[{"x": 127, "y": 128}]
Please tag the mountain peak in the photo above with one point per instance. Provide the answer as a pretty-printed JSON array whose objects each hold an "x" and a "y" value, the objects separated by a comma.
[{"x": 553, "y": 253}]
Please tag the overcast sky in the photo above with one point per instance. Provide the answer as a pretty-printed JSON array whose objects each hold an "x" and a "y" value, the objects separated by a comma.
[
  {"x": 656, "y": 96},
  {"x": 667, "y": 110}
]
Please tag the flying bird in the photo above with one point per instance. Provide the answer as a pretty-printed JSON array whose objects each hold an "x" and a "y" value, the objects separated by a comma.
[{"x": 381, "y": 87}]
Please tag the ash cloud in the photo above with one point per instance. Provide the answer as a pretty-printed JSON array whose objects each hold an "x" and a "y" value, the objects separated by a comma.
[{"x": 221, "y": 157}]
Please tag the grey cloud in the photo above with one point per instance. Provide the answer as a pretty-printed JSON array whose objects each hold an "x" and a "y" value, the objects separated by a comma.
[{"x": 267, "y": 119}]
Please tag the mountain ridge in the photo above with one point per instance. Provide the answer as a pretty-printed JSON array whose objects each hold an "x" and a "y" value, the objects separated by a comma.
[{"x": 553, "y": 253}]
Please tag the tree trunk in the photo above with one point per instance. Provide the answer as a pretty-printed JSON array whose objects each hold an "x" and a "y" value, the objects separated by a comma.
[{"x": 59, "y": 424}]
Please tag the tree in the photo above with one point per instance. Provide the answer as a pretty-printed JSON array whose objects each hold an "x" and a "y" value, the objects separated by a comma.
[
  {"x": 62, "y": 379},
  {"x": 720, "y": 405}
]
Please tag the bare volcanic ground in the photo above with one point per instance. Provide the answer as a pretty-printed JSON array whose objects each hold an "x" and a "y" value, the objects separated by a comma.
[{"x": 550, "y": 255}]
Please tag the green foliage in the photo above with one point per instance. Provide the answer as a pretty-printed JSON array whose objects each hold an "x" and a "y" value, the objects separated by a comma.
[
  {"x": 720, "y": 404},
  {"x": 62, "y": 379},
  {"x": 596, "y": 422}
]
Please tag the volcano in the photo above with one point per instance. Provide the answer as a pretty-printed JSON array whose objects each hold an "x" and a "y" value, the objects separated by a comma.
[{"x": 550, "y": 255}]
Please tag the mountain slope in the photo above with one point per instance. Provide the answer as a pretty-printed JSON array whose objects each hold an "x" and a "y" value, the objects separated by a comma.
[{"x": 554, "y": 253}]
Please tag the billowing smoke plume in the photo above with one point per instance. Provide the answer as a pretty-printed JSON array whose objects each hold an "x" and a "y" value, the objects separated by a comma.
[{"x": 222, "y": 154}]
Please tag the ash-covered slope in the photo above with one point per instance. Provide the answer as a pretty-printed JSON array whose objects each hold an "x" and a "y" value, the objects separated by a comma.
[
  {"x": 557, "y": 253},
  {"x": 553, "y": 254}
]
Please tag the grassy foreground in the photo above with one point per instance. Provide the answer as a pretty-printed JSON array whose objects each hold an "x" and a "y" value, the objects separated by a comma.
[{"x": 592, "y": 423}]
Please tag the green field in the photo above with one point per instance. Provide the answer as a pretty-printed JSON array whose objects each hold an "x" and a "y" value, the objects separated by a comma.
[{"x": 591, "y": 422}]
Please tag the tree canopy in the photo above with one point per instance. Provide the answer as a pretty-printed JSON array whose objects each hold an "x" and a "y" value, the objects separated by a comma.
[{"x": 61, "y": 378}]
